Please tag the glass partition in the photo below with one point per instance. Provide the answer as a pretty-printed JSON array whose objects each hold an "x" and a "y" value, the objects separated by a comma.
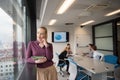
[
  {"x": 12, "y": 38},
  {"x": 104, "y": 43},
  {"x": 103, "y": 38},
  {"x": 103, "y": 30},
  {"x": 118, "y": 39}
]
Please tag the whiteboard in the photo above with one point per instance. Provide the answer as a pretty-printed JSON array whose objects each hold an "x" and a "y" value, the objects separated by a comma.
[{"x": 82, "y": 40}]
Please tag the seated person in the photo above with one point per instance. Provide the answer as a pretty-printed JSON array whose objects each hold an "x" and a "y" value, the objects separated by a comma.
[
  {"x": 90, "y": 54},
  {"x": 96, "y": 55},
  {"x": 65, "y": 54}
]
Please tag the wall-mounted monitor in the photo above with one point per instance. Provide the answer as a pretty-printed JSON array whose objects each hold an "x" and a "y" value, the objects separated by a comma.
[{"x": 60, "y": 37}]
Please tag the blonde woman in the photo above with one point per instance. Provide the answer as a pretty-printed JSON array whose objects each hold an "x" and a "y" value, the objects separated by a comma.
[
  {"x": 65, "y": 54},
  {"x": 40, "y": 47}
]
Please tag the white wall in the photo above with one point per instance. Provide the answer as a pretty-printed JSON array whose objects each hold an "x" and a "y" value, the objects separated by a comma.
[{"x": 85, "y": 37}]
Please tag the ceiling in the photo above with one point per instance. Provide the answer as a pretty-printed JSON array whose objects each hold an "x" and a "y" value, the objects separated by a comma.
[{"x": 80, "y": 12}]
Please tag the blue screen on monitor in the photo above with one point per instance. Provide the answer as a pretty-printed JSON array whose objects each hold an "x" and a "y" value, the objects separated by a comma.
[{"x": 60, "y": 36}]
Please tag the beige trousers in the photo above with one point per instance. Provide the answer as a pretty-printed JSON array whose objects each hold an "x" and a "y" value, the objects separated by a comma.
[{"x": 48, "y": 73}]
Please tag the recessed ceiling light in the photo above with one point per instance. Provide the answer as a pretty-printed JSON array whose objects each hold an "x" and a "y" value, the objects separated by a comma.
[
  {"x": 88, "y": 22},
  {"x": 52, "y": 22},
  {"x": 66, "y": 4},
  {"x": 118, "y": 24},
  {"x": 113, "y": 13}
]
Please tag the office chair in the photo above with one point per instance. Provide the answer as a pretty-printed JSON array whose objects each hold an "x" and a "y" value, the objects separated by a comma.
[
  {"x": 76, "y": 72},
  {"x": 72, "y": 69},
  {"x": 81, "y": 74},
  {"x": 112, "y": 60},
  {"x": 61, "y": 65}
]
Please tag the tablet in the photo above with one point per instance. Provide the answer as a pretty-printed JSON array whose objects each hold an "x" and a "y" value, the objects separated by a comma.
[{"x": 37, "y": 57}]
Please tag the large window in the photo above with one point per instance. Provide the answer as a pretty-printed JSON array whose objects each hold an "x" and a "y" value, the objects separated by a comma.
[
  {"x": 103, "y": 38},
  {"x": 12, "y": 38},
  {"x": 118, "y": 39}
]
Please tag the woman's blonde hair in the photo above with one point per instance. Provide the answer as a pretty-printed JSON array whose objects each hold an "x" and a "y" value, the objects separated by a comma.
[{"x": 44, "y": 28}]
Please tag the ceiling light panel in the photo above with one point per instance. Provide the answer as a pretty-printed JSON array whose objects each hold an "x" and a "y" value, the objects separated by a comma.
[
  {"x": 88, "y": 22},
  {"x": 53, "y": 21},
  {"x": 66, "y": 4},
  {"x": 113, "y": 13}
]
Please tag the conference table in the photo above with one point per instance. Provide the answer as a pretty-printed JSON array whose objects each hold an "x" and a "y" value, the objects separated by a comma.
[{"x": 95, "y": 68}]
